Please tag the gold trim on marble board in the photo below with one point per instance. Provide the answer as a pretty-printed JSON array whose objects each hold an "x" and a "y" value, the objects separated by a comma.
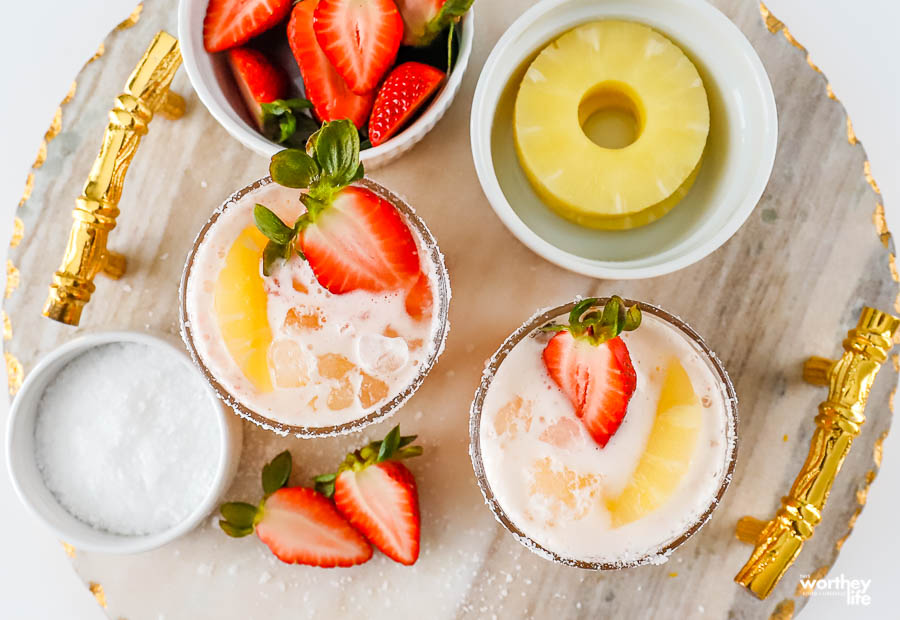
[
  {"x": 14, "y": 373},
  {"x": 97, "y": 590},
  {"x": 785, "y": 609}
]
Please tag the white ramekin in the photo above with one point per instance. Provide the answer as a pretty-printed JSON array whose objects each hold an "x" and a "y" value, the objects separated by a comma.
[
  {"x": 29, "y": 484},
  {"x": 211, "y": 78},
  {"x": 736, "y": 165}
]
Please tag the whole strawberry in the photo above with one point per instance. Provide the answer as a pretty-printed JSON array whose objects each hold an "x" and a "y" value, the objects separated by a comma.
[
  {"x": 299, "y": 524},
  {"x": 591, "y": 364},
  {"x": 352, "y": 238},
  {"x": 377, "y": 494}
]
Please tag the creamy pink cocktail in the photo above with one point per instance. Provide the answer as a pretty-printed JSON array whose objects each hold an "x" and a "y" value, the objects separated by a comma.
[{"x": 665, "y": 463}]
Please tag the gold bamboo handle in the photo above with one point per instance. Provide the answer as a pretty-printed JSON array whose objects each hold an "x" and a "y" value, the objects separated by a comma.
[
  {"x": 840, "y": 418},
  {"x": 145, "y": 92}
]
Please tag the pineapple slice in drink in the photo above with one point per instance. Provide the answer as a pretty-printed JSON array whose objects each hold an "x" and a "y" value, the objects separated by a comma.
[
  {"x": 627, "y": 68},
  {"x": 670, "y": 447},
  {"x": 240, "y": 303}
]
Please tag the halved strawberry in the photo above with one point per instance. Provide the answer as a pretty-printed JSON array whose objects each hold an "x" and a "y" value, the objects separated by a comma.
[
  {"x": 360, "y": 38},
  {"x": 331, "y": 98},
  {"x": 361, "y": 242},
  {"x": 258, "y": 79},
  {"x": 423, "y": 20},
  {"x": 377, "y": 494},
  {"x": 419, "y": 300},
  {"x": 592, "y": 367},
  {"x": 299, "y": 524},
  {"x": 404, "y": 91},
  {"x": 229, "y": 23}
]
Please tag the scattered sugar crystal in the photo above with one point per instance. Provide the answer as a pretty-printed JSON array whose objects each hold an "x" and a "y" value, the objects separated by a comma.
[
  {"x": 205, "y": 570},
  {"x": 164, "y": 256},
  {"x": 381, "y": 355},
  {"x": 127, "y": 288},
  {"x": 470, "y": 347},
  {"x": 204, "y": 184},
  {"x": 126, "y": 440},
  {"x": 265, "y": 577}
]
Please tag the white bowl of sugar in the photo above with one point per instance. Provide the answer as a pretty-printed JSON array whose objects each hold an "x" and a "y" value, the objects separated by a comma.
[{"x": 117, "y": 443}]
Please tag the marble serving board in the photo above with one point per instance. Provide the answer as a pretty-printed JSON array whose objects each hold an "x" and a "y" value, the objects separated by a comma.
[{"x": 788, "y": 285}]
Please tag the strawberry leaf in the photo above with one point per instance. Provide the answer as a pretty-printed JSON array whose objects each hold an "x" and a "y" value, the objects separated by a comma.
[
  {"x": 239, "y": 514},
  {"x": 389, "y": 445},
  {"x": 632, "y": 319},
  {"x": 271, "y": 225},
  {"x": 283, "y": 117},
  {"x": 271, "y": 253},
  {"x": 275, "y": 474},
  {"x": 597, "y": 327},
  {"x": 337, "y": 152},
  {"x": 325, "y": 484},
  {"x": 294, "y": 168},
  {"x": 233, "y": 530}
]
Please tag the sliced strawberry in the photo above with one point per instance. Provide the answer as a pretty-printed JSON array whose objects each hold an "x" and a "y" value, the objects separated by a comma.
[
  {"x": 329, "y": 94},
  {"x": 258, "y": 79},
  {"x": 301, "y": 526},
  {"x": 230, "y": 23},
  {"x": 360, "y": 38},
  {"x": 361, "y": 242},
  {"x": 598, "y": 379},
  {"x": 423, "y": 20},
  {"x": 419, "y": 300},
  {"x": 406, "y": 89},
  {"x": 381, "y": 501}
]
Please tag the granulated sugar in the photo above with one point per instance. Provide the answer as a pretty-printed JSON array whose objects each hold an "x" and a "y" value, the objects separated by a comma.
[{"x": 126, "y": 438}]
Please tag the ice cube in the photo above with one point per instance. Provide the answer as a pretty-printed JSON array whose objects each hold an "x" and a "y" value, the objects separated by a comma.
[
  {"x": 371, "y": 390},
  {"x": 380, "y": 355},
  {"x": 513, "y": 416},
  {"x": 564, "y": 433},
  {"x": 288, "y": 364}
]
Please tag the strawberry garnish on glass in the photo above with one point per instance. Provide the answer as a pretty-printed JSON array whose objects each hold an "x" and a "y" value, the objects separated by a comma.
[
  {"x": 591, "y": 364},
  {"x": 298, "y": 524},
  {"x": 377, "y": 494},
  {"x": 352, "y": 238}
]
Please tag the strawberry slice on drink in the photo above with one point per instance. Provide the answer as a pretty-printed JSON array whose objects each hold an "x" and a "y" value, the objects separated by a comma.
[
  {"x": 592, "y": 366},
  {"x": 352, "y": 238},
  {"x": 230, "y": 23},
  {"x": 327, "y": 91},
  {"x": 360, "y": 38},
  {"x": 377, "y": 494},
  {"x": 298, "y": 524}
]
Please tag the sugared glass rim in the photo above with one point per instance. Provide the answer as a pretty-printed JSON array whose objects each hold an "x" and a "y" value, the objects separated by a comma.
[
  {"x": 542, "y": 318},
  {"x": 439, "y": 339}
]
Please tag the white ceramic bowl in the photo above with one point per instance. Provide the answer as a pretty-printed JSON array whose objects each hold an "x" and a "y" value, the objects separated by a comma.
[
  {"x": 29, "y": 484},
  {"x": 736, "y": 165},
  {"x": 211, "y": 78}
]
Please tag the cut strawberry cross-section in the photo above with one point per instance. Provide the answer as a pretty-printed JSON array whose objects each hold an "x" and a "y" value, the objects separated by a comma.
[
  {"x": 229, "y": 23},
  {"x": 258, "y": 79},
  {"x": 423, "y": 20},
  {"x": 360, "y": 38},
  {"x": 592, "y": 367},
  {"x": 332, "y": 99},
  {"x": 377, "y": 494},
  {"x": 299, "y": 524},
  {"x": 352, "y": 238}
]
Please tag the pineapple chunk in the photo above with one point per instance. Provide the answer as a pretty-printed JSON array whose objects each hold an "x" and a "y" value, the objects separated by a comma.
[
  {"x": 611, "y": 65},
  {"x": 240, "y": 303},
  {"x": 511, "y": 415},
  {"x": 561, "y": 491},
  {"x": 670, "y": 447}
]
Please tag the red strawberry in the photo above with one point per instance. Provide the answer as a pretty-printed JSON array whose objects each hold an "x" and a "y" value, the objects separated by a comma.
[
  {"x": 599, "y": 380},
  {"x": 360, "y": 242},
  {"x": 229, "y": 23},
  {"x": 327, "y": 91},
  {"x": 382, "y": 502},
  {"x": 299, "y": 525},
  {"x": 404, "y": 91},
  {"x": 419, "y": 300},
  {"x": 360, "y": 38},
  {"x": 377, "y": 494},
  {"x": 423, "y": 20},
  {"x": 591, "y": 364},
  {"x": 257, "y": 78}
]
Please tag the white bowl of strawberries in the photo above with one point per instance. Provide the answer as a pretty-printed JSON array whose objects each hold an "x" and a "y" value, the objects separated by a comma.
[{"x": 269, "y": 71}]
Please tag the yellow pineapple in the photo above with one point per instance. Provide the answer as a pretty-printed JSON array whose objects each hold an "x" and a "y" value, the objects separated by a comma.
[
  {"x": 608, "y": 66},
  {"x": 241, "y": 304},
  {"x": 669, "y": 450}
]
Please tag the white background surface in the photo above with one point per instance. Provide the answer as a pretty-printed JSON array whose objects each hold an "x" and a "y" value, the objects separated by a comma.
[{"x": 44, "y": 45}]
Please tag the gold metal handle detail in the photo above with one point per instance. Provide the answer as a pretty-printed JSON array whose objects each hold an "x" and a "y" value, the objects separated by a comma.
[
  {"x": 840, "y": 418},
  {"x": 145, "y": 92}
]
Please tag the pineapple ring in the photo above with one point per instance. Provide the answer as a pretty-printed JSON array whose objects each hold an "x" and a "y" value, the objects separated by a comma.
[{"x": 620, "y": 65}]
